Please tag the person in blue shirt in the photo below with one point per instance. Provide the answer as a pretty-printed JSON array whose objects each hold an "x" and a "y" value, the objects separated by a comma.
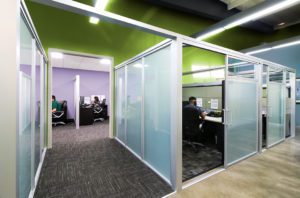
[{"x": 193, "y": 104}]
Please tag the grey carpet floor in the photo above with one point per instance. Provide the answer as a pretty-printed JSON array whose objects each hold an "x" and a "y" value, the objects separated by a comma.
[
  {"x": 195, "y": 164},
  {"x": 86, "y": 163}
]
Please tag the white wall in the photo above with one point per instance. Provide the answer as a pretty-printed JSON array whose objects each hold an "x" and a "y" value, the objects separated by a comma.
[{"x": 9, "y": 36}]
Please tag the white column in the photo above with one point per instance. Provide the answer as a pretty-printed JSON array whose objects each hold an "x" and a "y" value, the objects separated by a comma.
[{"x": 9, "y": 50}]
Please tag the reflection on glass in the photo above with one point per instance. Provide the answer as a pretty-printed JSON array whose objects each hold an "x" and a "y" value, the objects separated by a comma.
[
  {"x": 25, "y": 111},
  {"x": 276, "y": 113},
  {"x": 134, "y": 102},
  {"x": 37, "y": 137},
  {"x": 240, "y": 68},
  {"x": 120, "y": 104},
  {"x": 157, "y": 110}
]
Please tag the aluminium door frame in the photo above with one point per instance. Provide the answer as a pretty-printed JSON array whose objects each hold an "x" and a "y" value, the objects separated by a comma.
[{"x": 283, "y": 84}]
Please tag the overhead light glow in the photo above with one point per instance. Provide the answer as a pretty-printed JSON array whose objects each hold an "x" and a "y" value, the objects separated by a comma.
[
  {"x": 105, "y": 61},
  {"x": 211, "y": 33},
  {"x": 94, "y": 20},
  {"x": 138, "y": 65},
  {"x": 100, "y": 5},
  {"x": 286, "y": 44},
  {"x": 264, "y": 12},
  {"x": 258, "y": 51},
  {"x": 57, "y": 55},
  {"x": 275, "y": 47}
]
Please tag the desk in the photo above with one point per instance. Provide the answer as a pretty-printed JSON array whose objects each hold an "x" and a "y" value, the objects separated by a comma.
[
  {"x": 86, "y": 115},
  {"x": 213, "y": 119},
  {"x": 214, "y": 132}
]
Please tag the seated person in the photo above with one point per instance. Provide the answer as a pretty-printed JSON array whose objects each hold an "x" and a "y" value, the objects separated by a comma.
[
  {"x": 103, "y": 103},
  {"x": 193, "y": 105},
  {"x": 97, "y": 104},
  {"x": 55, "y": 105}
]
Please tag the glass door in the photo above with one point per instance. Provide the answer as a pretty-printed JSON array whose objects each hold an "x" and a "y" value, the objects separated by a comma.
[
  {"x": 276, "y": 107},
  {"x": 241, "y": 111}
]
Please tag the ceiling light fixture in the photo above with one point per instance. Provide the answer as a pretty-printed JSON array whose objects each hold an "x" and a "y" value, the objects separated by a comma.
[
  {"x": 286, "y": 44},
  {"x": 212, "y": 33},
  {"x": 264, "y": 12},
  {"x": 105, "y": 61},
  {"x": 100, "y": 5},
  {"x": 274, "y": 47},
  {"x": 57, "y": 55},
  {"x": 254, "y": 16},
  {"x": 258, "y": 51}
]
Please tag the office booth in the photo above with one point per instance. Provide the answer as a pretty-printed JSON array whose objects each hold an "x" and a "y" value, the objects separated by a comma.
[
  {"x": 32, "y": 108},
  {"x": 236, "y": 89}
]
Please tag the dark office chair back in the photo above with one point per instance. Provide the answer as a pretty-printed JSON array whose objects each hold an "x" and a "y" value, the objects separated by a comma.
[{"x": 190, "y": 121}]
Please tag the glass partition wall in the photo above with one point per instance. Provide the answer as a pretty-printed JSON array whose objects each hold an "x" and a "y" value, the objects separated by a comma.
[
  {"x": 143, "y": 118},
  {"x": 236, "y": 91},
  {"x": 31, "y": 111}
]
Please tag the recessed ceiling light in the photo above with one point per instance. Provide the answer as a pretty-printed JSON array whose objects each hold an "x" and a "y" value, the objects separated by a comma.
[
  {"x": 94, "y": 20},
  {"x": 57, "y": 55},
  {"x": 100, "y": 5},
  {"x": 105, "y": 61}
]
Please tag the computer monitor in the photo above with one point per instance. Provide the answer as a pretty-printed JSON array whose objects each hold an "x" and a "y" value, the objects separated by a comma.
[
  {"x": 81, "y": 101},
  {"x": 87, "y": 100}
]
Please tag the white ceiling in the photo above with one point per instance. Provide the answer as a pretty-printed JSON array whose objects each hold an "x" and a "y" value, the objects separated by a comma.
[
  {"x": 80, "y": 62},
  {"x": 69, "y": 61}
]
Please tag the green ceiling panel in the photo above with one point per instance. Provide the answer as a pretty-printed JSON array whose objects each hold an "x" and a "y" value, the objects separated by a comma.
[{"x": 69, "y": 31}]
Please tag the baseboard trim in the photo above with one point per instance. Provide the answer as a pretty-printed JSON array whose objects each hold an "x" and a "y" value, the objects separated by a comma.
[{"x": 38, "y": 172}]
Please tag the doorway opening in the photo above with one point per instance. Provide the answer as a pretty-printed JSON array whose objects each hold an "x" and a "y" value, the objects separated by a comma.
[
  {"x": 80, "y": 96},
  {"x": 202, "y": 115}
]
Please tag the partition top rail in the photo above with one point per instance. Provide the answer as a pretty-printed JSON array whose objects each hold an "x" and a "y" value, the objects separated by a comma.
[
  {"x": 87, "y": 10},
  {"x": 145, "y": 53},
  {"x": 26, "y": 15}
]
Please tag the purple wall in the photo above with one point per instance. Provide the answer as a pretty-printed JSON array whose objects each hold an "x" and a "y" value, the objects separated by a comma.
[{"x": 91, "y": 83}]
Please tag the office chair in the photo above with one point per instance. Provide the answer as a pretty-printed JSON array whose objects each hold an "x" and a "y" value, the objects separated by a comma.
[
  {"x": 191, "y": 127},
  {"x": 60, "y": 117},
  {"x": 98, "y": 114}
]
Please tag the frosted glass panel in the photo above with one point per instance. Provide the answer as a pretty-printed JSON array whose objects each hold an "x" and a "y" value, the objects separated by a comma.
[
  {"x": 120, "y": 104},
  {"x": 157, "y": 110},
  {"x": 241, "y": 119},
  {"x": 134, "y": 97},
  {"x": 276, "y": 101},
  {"x": 37, "y": 136},
  {"x": 24, "y": 163}
]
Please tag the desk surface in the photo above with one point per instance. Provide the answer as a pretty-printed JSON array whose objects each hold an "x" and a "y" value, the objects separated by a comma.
[{"x": 213, "y": 119}]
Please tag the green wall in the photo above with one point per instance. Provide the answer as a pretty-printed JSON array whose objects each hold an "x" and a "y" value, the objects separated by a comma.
[
  {"x": 199, "y": 57},
  {"x": 69, "y": 31}
]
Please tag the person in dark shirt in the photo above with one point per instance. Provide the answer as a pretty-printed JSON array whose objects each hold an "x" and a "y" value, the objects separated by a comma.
[
  {"x": 55, "y": 105},
  {"x": 193, "y": 104},
  {"x": 97, "y": 104}
]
